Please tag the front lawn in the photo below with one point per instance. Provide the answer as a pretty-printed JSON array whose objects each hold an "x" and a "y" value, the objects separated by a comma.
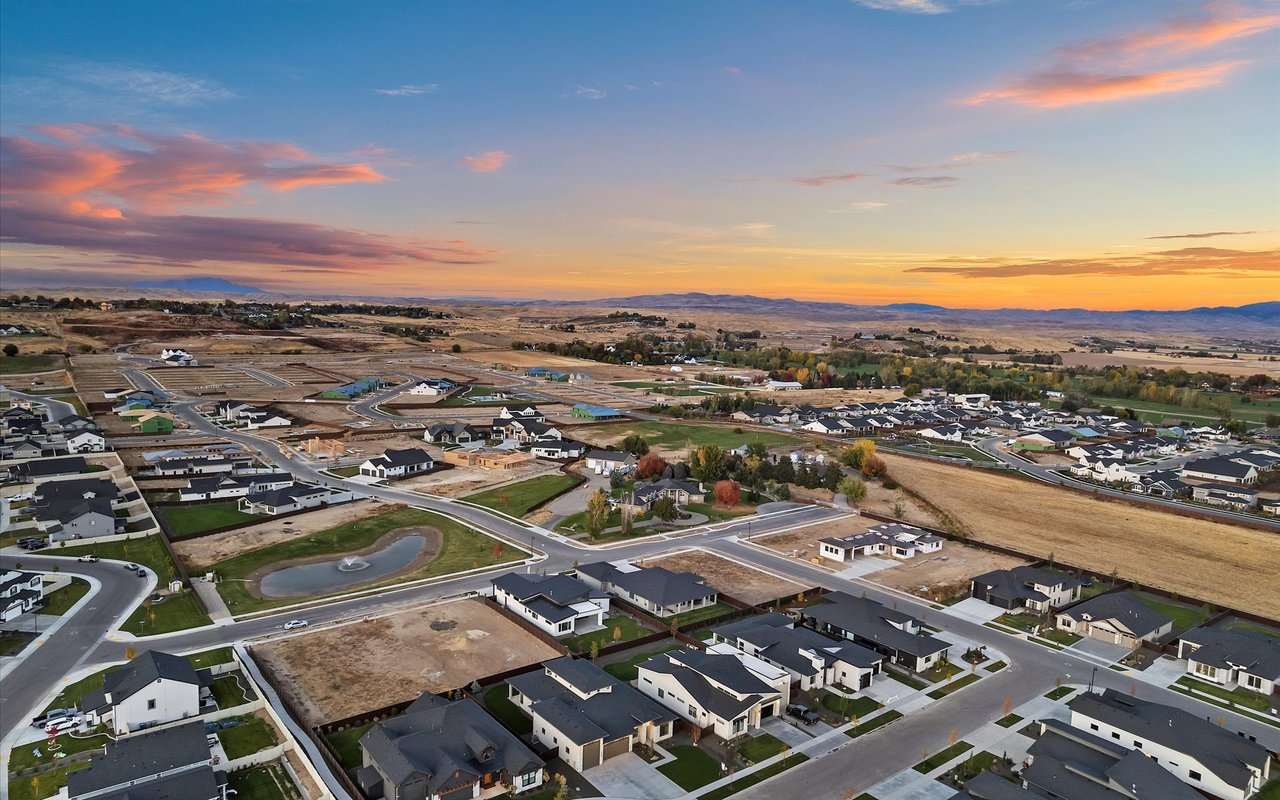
[
  {"x": 250, "y": 736},
  {"x": 938, "y": 759},
  {"x": 500, "y": 704},
  {"x": 670, "y": 435},
  {"x": 1061, "y": 637},
  {"x": 518, "y": 499},
  {"x": 346, "y": 745},
  {"x": 626, "y": 670},
  {"x": 59, "y": 602},
  {"x": 1023, "y": 622},
  {"x": 627, "y": 627},
  {"x": 716, "y": 513},
  {"x": 852, "y": 707},
  {"x": 747, "y": 781},
  {"x": 760, "y": 748},
  {"x": 693, "y": 767},
  {"x": 1241, "y": 697},
  {"x": 186, "y": 520}
]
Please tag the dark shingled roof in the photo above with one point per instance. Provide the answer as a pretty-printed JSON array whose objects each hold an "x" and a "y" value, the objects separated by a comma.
[
  {"x": 1079, "y": 765},
  {"x": 145, "y": 669},
  {"x": 146, "y": 754},
  {"x": 1125, "y": 607},
  {"x": 585, "y": 703},
  {"x": 867, "y": 619},
  {"x": 658, "y": 585},
  {"x": 1256, "y": 653},
  {"x": 779, "y": 642}
]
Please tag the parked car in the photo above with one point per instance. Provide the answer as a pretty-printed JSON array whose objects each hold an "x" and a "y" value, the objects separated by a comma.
[
  {"x": 89, "y": 559},
  {"x": 803, "y": 713},
  {"x": 38, "y": 544},
  {"x": 131, "y": 566},
  {"x": 295, "y": 623},
  {"x": 65, "y": 724},
  {"x": 26, "y": 540},
  {"x": 142, "y": 573},
  {"x": 52, "y": 715},
  {"x": 18, "y": 498}
]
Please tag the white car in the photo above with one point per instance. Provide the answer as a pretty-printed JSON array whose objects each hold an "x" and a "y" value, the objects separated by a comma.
[
  {"x": 64, "y": 724},
  {"x": 295, "y": 623},
  {"x": 88, "y": 559},
  {"x": 18, "y": 498}
]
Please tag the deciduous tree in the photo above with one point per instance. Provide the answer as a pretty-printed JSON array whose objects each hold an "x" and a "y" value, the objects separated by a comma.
[
  {"x": 728, "y": 493},
  {"x": 650, "y": 465},
  {"x": 706, "y": 464},
  {"x": 597, "y": 516}
]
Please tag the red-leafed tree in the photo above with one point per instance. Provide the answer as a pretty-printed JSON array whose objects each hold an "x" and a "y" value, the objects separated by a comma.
[
  {"x": 650, "y": 465},
  {"x": 728, "y": 493},
  {"x": 874, "y": 467}
]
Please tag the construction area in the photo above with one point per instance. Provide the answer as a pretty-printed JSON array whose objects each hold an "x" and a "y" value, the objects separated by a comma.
[{"x": 730, "y": 577}]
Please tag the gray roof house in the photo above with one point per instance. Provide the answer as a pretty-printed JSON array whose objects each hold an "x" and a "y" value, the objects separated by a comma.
[
  {"x": 990, "y": 786},
  {"x": 657, "y": 590},
  {"x": 872, "y": 625},
  {"x": 1077, "y": 765},
  {"x": 167, "y": 764},
  {"x": 153, "y": 688},
  {"x": 727, "y": 692},
  {"x": 398, "y": 463},
  {"x": 561, "y": 605},
  {"x": 440, "y": 749},
  {"x": 1026, "y": 587},
  {"x": 1118, "y": 618},
  {"x": 1232, "y": 658},
  {"x": 813, "y": 660},
  {"x": 645, "y": 494},
  {"x": 587, "y": 715},
  {"x": 281, "y": 501}
]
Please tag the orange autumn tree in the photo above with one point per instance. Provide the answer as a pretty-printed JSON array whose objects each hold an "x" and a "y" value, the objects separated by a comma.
[{"x": 727, "y": 493}]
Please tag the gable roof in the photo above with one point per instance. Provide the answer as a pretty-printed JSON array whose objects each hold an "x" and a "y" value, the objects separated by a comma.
[
  {"x": 586, "y": 703},
  {"x": 872, "y": 621},
  {"x": 658, "y": 585},
  {"x": 1123, "y": 607},
  {"x": 146, "y": 669},
  {"x": 1256, "y": 653}
]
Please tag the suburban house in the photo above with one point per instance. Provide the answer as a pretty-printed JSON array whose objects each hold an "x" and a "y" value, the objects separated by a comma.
[
  {"x": 151, "y": 689},
  {"x": 558, "y": 604},
  {"x": 726, "y": 693},
  {"x": 217, "y": 487},
  {"x": 656, "y": 590},
  {"x": 1049, "y": 439},
  {"x": 144, "y": 420},
  {"x": 1232, "y": 658},
  {"x": 433, "y": 387},
  {"x": 1221, "y": 469},
  {"x": 1070, "y": 763},
  {"x": 558, "y": 449},
  {"x": 169, "y": 763},
  {"x": 20, "y": 592},
  {"x": 1225, "y": 495},
  {"x": 1119, "y": 618},
  {"x": 522, "y": 411},
  {"x": 86, "y": 441},
  {"x": 294, "y": 497},
  {"x": 872, "y": 625},
  {"x": 525, "y": 430},
  {"x": 178, "y": 358},
  {"x": 28, "y": 471},
  {"x": 812, "y": 660},
  {"x": 607, "y": 462},
  {"x": 587, "y": 715},
  {"x": 891, "y": 538},
  {"x": 440, "y": 749},
  {"x": 641, "y": 499},
  {"x": 1165, "y": 483},
  {"x": 1201, "y": 754},
  {"x": 782, "y": 386},
  {"x": 73, "y": 516},
  {"x": 452, "y": 433},
  {"x": 398, "y": 463},
  {"x": 1026, "y": 588}
]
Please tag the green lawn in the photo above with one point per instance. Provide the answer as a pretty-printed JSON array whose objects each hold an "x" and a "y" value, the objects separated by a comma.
[
  {"x": 75, "y": 402},
  {"x": 717, "y": 514},
  {"x": 1241, "y": 697},
  {"x": 1184, "y": 617},
  {"x": 630, "y": 629},
  {"x": 499, "y": 704},
  {"x": 871, "y": 725},
  {"x": 46, "y": 784},
  {"x": 693, "y": 767},
  {"x": 250, "y": 736},
  {"x": 1023, "y": 622},
  {"x": 762, "y": 747},
  {"x": 1009, "y": 721},
  {"x": 941, "y": 671},
  {"x": 996, "y": 667},
  {"x": 626, "y": 670},
  {"x": 59, "y": 602},
  {"x": 346, "y": 745},
  {"x": 1059, "y": 693},
  {"x": 268, "y": 782},
  {"x": 1061, "y": 637},
  {"x": 1243, "y": 625},
  {"x": 461, "y": 549},
  {"x": 1269, "y": 792},
  {"x": 148, "y": 551},
  {"x": 701, "y": 614},
  {"x": 849, "y": 706},
  {"x": 941, "y": 757},
  {"x": 346, "y": 472},
  {"x": 177, "y": 612},
  {"x": 914, "y": 683},
  {"x": 518, "y": 499},
  {"x": 955, "y": 686},
  {"x": 16, "y": 365},
  {"x": 24, "y": 757},
  {"x": 186, "y": 520},
  {"x": 228, "y": 692},
  {"x": 747, "y": 781},
  {"x": 208, "y": 658},
  {"x": 12, "y": 643},
  {"x": 684, "y": 435}
]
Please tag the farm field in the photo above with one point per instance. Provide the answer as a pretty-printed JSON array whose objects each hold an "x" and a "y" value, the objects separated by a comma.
[
  {"x": 1224, "y": 564},
  {"x": 396, "y": 658},
  {"x": 675, "y": 436},
  {"x": 730, "y": 577}
]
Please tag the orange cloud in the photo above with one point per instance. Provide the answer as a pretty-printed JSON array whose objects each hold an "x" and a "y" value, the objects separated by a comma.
[
  {"x": 1185, "y": 261},
  {"x": 1057, "y": 89},
  {"x": 488, "y": 161}
]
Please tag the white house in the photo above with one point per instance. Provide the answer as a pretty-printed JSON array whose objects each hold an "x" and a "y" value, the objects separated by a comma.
[
  {"x": 86, "y": 442},
  {"x": 1117, "y": 618},
  {"x": 433, "y": 387},
  {"x": 558, "y": 604},
  {"x": 152, "y": 689},
  {"x": 20, "y": 592},
  {"x": 1232, "y": 658},
  {"x": 656, "y": 590},
  {"x": 782, "y": 386},
  {"x": 226, "y": 486},
  {"x": 726, "y": 692},
  {"x": 891, "y": 538},
  {"x": 398, "y": 463},
  {"x": 178, "y": 358},
  {"x": 294, "y": 497},
  {"x": 812, "y": 660},
  {"x": 606, "y": 462}
]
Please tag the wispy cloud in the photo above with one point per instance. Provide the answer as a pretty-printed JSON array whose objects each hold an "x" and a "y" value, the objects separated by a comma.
[
  {"x": 927, "y": 182},
  {"x": 825, "y": 178},
  {"x": 731, "y": 70},
  {"x": 109, "y": 87},
  {"x": 590, "y": 93},
  {"x": 864, "y": 205},
  {"x": 907, "y": 6},
  {"x": 1208, "y": 235},
  {"x": 488, "y": 161},
  {"x": 1186, "y": 261},
  {"x": 409, "y": 90},
  {"x": 1141, "y": 63}
]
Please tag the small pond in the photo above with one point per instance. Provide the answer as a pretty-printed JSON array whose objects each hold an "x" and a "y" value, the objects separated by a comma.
[{"x": 328, "y": 576}]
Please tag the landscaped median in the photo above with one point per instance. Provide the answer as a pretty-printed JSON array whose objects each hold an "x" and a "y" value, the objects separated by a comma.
[
  {"x": 518, "y": 499},
  {"x": 942, "y": 757},
  {"x": 759, "y": 776}
]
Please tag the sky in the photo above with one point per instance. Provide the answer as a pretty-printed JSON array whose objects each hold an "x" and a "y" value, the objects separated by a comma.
[{"x": 1104, "y": 154}]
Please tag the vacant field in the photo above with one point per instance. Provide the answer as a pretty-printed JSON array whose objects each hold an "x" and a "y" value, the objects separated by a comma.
[
  {"x": 803, "y": 542},
  {"x": 1224, "y": 564},
  {"x": 396, "y": 658},
  {"x": 518, "y": 499},
  {"x": 221, "y": 546},
  {"x": 932, "y": 577},
  {"x": 1247, "y": 364},
  {"x": 681, "y": 437},
  {"x": 730, "y": 577},
  {"x": 196, "y": 377}
]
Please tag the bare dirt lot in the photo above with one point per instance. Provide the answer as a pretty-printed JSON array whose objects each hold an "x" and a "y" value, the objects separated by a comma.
[
  {"x": 221, "y": 546},
  {"x": 938, "y": 579},
  {"x": 730, "y": 577},
  {"x": 1224, "y": 564},
  {"x": 803, "y": 542},
  {"x": 396, "y": 658}
]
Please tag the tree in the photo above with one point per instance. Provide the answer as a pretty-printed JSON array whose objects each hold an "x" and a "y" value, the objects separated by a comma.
[
  {"x": 129, "y": 653},
  {"x": 457, "y": 348},
  {"x": 595, "y": 649},
  {"x": 664, "y": 508},
  {"x": 856, "y": 453},
  {"x": 874, "y": 467},
  {"x": 1273, "y": 420},
  {"x": 635, "y": 445},
  {"x": 597, "y": 516},
  {"x": 617, "y": 633},
  {"x": 728, "y": 493},
  {"x": 853, "y": 489},
  {"x": 706, "y": 464},
  {"x": 911, "y": 389},
  {"x": 562, "y": 787},
  {"x": 10, "y": 349},
  {"x": 1008, "y": 705},
  {"x": 650, "y": 465}
]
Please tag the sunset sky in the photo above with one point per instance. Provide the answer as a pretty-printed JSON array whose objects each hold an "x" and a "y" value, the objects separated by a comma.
[{"x": 970, "y": 153}]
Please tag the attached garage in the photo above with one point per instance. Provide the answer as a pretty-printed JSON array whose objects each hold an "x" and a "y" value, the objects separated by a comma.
[
  {"x": 591, "y": 754},
  {"x": 769, "y": 710},
  {"x": 617, "y": 747}
]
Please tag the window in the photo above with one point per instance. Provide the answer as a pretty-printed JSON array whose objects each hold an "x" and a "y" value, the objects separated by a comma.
[
  {"x": 662, "y": 693},
  {"x": 1193, "y": 775},
  {"x": 1137, "y": 744},
  {"x": 1115, "y": 736},
  {"x": 151, "y": 705},
  {"x": 1093, "y": 726}
]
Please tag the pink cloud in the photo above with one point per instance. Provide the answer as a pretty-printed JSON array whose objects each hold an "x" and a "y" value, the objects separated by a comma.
[
  {"x": 731, "y": 70},
  {"x": 488, "y": 161}
]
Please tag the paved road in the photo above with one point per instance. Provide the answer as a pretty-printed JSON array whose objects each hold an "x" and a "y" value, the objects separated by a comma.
[{"x": 57, "y": 408}]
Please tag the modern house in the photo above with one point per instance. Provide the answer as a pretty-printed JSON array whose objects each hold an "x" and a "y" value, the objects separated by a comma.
[
  {"x": 217, "y": 487},
  {"x": 522, "y": 411},
  {"x": 1026, "y": 588},
  {"x": 813, "y": 661},
  {"x": 607, "y": 462},
  {"x": 1225, "y": 495},
  {"x": 1221, "y": 469},
  {"x": 641, "y": 499},
  {"x": 726, "y": 693},
  {"x": 656, "y": 590},
  {"x": 585, "y": 714},
  {"x": 1118, "y": 618},
  {"x": 178, "y": 357},
  {"x": 157, "y": 765},
  {"x": 433, "y": 387},
  {"x": 892, "y": 539},
  {"x": 558, "y": 604},
  {"x": 872, "y": 625},
  {"x": 1073, "y": 764},
  {"x": 1049, "y": 439},
  {"x": 442, "y": 750},
  {"x": 294, "y": 497},
  {"x": 452, "y": 433},
  {"x": 151, "y": 689},
  {"x": 558, "y": 450},
  {"x": 20, "y": 592},
  {"x": 1232, "y": 658},
  {"x": 398, "y": 463}
]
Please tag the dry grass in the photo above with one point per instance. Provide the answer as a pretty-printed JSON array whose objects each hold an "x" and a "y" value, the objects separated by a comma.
[
  {"x": 221, "y": 546},
  {"x": 932, "y": 577},
  {"x": 332, "y": 674},
  {"x": 1223, "y": 564},
  {"x": 803, "y": 542},
  {"x": 732, "y": 578}
]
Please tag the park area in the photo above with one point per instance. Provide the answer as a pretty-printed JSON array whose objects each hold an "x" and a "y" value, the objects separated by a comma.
[
  {"x": 677, "y": 437},
  {"x": 340, "y": 672},
  {"x": 1228, "y": 565},
  {"x": 730, "y": 577}
]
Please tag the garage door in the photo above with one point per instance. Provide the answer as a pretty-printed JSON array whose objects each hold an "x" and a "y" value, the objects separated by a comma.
[
  {"x": 769, "y": 710},
  {"x": 591, "y": 755},
  {"x": 617, "y": 747}
]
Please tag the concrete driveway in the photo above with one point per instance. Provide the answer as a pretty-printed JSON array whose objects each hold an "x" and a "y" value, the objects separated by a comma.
[
  {"x": 864, "y": 566},
  {"x": 790, "y": 734},
  {"x": 629, "y": 777},
  {"x": 1101, "y": 649},
  {"x": 975, "y": 610}
]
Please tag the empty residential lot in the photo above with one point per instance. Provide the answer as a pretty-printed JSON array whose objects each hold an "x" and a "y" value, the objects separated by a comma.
[
  {"x": 1224, "y": 564},
  {"x": 332, "y": 674},
  {"x": 735, "y": 579},
  {"x": 221, "y": 546}
]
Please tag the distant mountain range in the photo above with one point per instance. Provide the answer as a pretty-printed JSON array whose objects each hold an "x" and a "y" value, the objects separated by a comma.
[{"x": 202, "y": 283}]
